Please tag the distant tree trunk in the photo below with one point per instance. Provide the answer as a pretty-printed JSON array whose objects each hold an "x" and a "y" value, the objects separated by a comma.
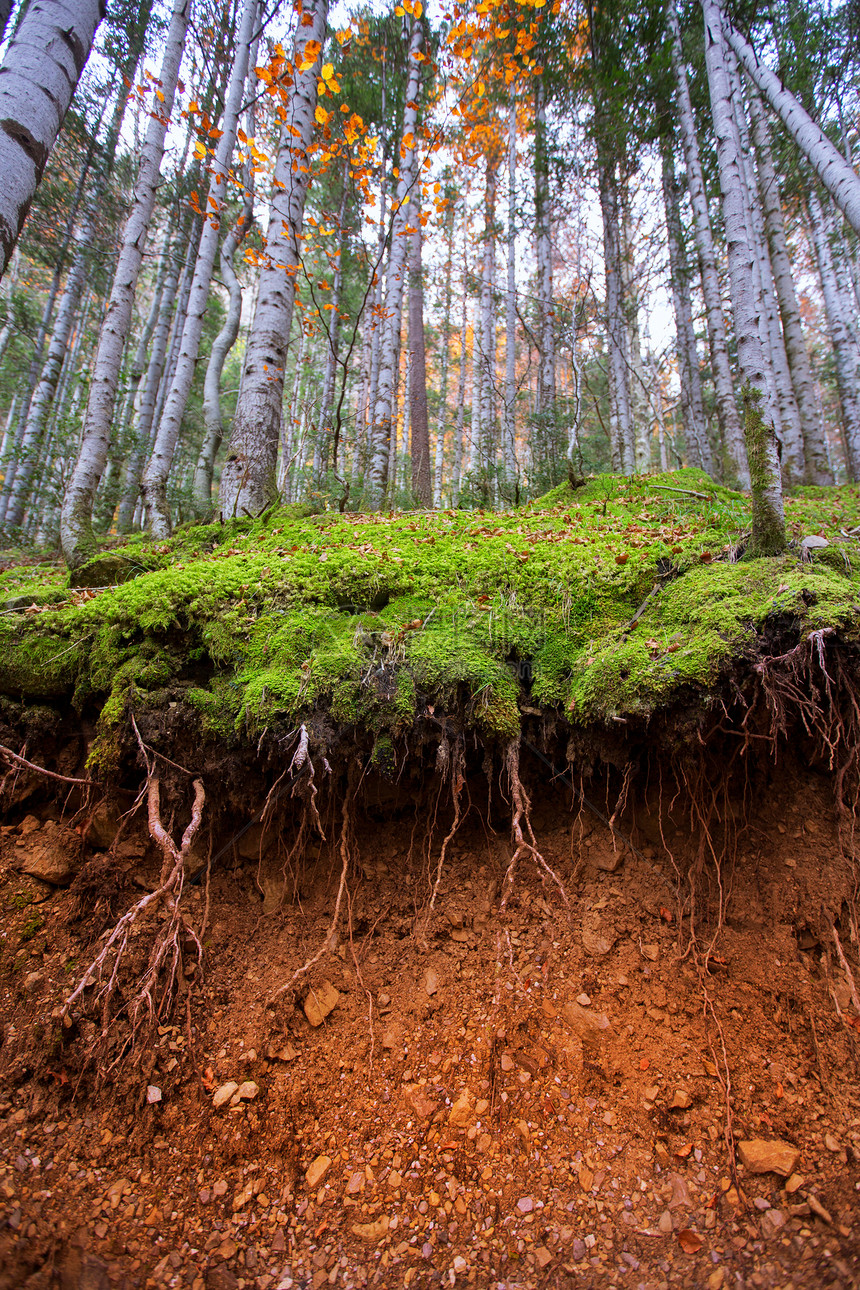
[
  {"x": 640, "y": 398},
  {"x": 328, "y": 447},
  {"x": 422, "y": 487},
  {"x": 692, "y": 404},
  {"x": 442, "y": 416},
  {"x": 155, "y": 475},
  {"x": 768, "y": 537},
  {"x": 616, "y": 320},
  {"x": 76, "y": 525},
  {"x": 509, "y": 426},
  {"x": 814, "y": 444},
  {"x": 45, "y": 390},
  {"x": 846, "y": 355},
  {"x": 543, "y": 256},
  {"x": 459, "y": 429},
  {"x": 38, "y": 77},
  {"x": 484, "y": 441},
  {"x": 727, "y": 411},
  {"x": 248, "y": 479},
  {"x": 380, "y": 429},
  {"x": 146, "y": 403},
  {"x": 838, "y": 177}
]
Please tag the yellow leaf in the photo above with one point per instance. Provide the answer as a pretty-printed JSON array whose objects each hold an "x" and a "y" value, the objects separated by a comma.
[
  {"x": 159, "y": 96},
  {"x": 321, "y": 115},
  {"x": 200, "y": 150},
  {"x": 327, "y": 71}
]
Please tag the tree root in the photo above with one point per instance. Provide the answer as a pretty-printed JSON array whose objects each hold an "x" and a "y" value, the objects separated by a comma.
[
  {"x": 152, "y": 998},
  {"x": 523, "y": 846}
]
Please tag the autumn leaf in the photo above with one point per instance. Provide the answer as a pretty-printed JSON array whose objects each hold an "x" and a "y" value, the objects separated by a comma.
[
  {"x": 622, "y": 559},
  {"x": 327, "y": 71},
  {"x": 690, "y": 1241},
  {"x": 321, "y": 115}
]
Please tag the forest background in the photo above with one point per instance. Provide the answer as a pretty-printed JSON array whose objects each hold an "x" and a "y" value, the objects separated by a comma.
[{"x": 423, "y": 259}]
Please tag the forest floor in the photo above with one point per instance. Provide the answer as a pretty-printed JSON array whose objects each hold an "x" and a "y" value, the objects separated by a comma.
[
  {"x": 529, "y": 1097},
  {"x": 513, "y": 939}
]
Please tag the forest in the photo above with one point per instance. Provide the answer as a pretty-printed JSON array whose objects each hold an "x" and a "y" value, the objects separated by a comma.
[
  {"x": 429, "y": 644},
  {"x": 421, "y": 259}
]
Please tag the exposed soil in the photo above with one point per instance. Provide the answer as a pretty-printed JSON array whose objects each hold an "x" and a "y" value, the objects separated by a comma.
[{"x": 534, "y": 1095}]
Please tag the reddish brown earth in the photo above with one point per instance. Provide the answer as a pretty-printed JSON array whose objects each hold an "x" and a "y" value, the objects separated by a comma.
[{"x": 539, "y": 1095}]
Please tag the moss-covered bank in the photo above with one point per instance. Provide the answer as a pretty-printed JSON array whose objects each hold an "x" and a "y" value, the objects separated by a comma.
[{"x": 373, "y": 618}]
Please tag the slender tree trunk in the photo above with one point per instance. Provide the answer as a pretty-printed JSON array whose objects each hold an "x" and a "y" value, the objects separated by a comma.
[
  {"x": 727, "y": 411},
  {"x": 422, "y": 489},
  {"x": 442, "y": 416},
  {"x": 543, "y": 255},
  {"x": 692, "y": 403},
  {"x": 155, "y": 475},
  {"x": 43, "y": 396},
  {"x": 616, "y": 320},
  {"x": 76, "y": 528},
  {"x": 38, "y": 77},
  {"x": 846, "y": 356},
  {"x": 788, "y": 428},
  {"x": 838, "y": 177},
  {"x": 380, "y": 429},
  {"x": 485, "y": 440},
  {"x": 147, "y": 398},
  {"x": 809, "y": 407},
  {"x": 509, "y": 427},
  {"x": 248, "y": 479},
  {"x": 332, "y": 357},
  {"x": 768, "y": 537},
  {"x": 459, "y": 431}
]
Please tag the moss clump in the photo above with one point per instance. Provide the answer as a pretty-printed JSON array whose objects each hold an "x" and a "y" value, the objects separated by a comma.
[
  {"x": 768, "y": 516},
  {"x": 374, "y": 617}
]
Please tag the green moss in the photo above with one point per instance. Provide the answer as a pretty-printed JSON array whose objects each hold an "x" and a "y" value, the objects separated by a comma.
[
  {"x": 372, "y": 617},
  {"x": 768, "y": 526}
]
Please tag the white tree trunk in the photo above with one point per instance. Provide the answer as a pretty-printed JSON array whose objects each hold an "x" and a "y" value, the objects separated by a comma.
[
  {"x": 45, "y": 390},
  {"x": 788, "y": 428},
  {"x": 442, "y": 416},
  {"x": 76, "y": 527},
  {"x": 459, "y": 429},
  {"x": 761, "y": 442},
  {"x": 845, "y": 350},
  {"x": 485, "y": 443},
  {"x": 809, "y": 406},
  {"x": 509, "y": 425},
  {"x": 248, "y": 479},
  {"x": 154, "y": 480},
  {"x": 838, "y": 177},
  {"x": 38, "y": 77},
  {"x": 692, "y": 403},
  {"x": 621, "y": 415},
  {"x": 543, "y": 256},
  {"x": 380, "y": 429},
  {"x": 727, "y": 410}
]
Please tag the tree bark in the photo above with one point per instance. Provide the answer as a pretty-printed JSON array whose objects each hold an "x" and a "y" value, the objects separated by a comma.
[
  {"x": 846, "y": 355},
  {"x": 692, "y": 403},
  {"x": 768, "y": 536},
  {"x": 441, "y": 419},
  {"x": 812, "y": 427},
  {"x": 248, "y": 479},
  {"x": 485, "y": 446},
  {"x": 543, "y": 256},
  {"x": 380, "y": 429},
  {"x": 727, "y": 410},
  {"x": 154, "y": 479},
  {"x": 510, "y": 467},
  {"x": 76, "y": 525},
  {"x": 838, "y": 177},
  {"x": 422, "y": 488},
  {"x": 38, "y": 78}
]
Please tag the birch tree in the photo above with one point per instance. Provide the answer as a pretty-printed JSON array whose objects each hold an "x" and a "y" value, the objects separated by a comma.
[
  {"x": 381, "y": 425},
  {"x": 154, "y": 479},
  {"x": 768, "y": 536},
  {"x": 727, "y": 410},
  {"x": 248, "y": 479},
  {"x": 38, "y": 77},
  {"x": 76, "y": 532},
  {"x": 836, "y": 174},
  {"x": 422, "y": 490},
  {"x": 509, "y": 429}
]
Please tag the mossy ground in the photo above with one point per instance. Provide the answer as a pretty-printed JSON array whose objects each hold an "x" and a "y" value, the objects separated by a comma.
[{"x": 373, "y": 617}]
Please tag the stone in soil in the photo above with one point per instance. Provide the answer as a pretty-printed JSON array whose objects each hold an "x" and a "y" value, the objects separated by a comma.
[{"x": 760, "y": 1156}]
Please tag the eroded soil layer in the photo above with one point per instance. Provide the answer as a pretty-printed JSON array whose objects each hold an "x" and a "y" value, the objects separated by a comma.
[{"x": 537, "y": 1095}]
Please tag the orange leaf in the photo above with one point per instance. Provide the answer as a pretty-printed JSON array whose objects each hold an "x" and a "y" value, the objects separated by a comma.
[
  {"x": 622, "y": 559},
  {"x": 705, "y": 557},
  {"x": 690, "y": 1241}
]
